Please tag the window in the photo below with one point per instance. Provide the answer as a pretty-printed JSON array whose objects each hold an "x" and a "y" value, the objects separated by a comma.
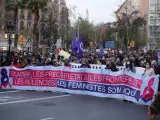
[
  {"x": 21, "y": 25},
  {"x": 29, "y": 17},
  {"x": 151, "y": 17},
  {"x": 22, "y": 14},
  {"x": 158, "y": 21},
  {"x": 29, "y": 25},
  {"x": 152, "y": 21}
]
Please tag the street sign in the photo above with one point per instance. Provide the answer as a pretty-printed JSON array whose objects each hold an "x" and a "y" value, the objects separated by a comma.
[{"x": 110, "y": 44}]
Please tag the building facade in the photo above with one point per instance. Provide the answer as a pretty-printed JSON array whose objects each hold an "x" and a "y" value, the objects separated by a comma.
[
  {"x": 132, "y": 5},
  {"x": 3, "y": 43},
  {"x": 144, "y": 8},
  {"x": 154, "y": 23},
  {"x": 25, "y": 22},
  {"x": 25, "y": 28},
  {"x": 22, "y": 27},
  {"x": 126, "y": 8}
]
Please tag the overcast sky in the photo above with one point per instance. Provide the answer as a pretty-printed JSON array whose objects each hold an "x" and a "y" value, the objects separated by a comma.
[{"x": 99, "y": 10}]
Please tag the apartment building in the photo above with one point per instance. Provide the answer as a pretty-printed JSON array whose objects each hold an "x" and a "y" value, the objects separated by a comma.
[
  {"x": 144, "y": 8},
  {"x": 25, "y": 22},
  {"x": 154, "y": 23},
  {"x": 131, "y": 5},
  {"x": 25, "y": 27},
  {"x": 3, "y": 44}
]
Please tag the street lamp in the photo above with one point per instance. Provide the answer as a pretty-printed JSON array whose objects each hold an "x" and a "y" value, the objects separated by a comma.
[
  {"x": 6, "y": 36},
  {"x": 9, "y": 35},
  {"x": 13, "y": 36},
  {"x": 79, "y": 19}
]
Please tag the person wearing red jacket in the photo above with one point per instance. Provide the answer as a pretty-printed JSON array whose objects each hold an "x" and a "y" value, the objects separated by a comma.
[{"x": 15, "y": 63}]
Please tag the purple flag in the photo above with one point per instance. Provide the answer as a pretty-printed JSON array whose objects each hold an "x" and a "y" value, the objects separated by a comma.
[
  {"x": 158, "y": 54},
  {"x": 75, "y": 44},
  {"x": 101, "y": 51},
  {"x": 80, "y": 48}
]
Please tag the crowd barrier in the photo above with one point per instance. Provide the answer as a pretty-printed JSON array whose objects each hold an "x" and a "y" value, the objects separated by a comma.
[
  {"x": 139, "y": 70},
  {"x": 102, "y": 83}
]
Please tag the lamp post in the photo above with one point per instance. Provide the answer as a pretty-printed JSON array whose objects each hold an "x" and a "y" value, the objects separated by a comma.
[
  {"x": 9, "y": 35},
  {"x": 79, "y": 19}
]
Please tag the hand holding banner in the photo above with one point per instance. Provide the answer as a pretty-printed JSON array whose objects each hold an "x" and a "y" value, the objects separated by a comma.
[{"x": 102, "y": 83}]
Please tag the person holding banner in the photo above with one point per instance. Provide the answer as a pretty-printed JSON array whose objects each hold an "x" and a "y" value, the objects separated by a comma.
[
  {"x": 48, "y": 62},
  {"x": 67, "y": 64},
  {"x": 108, "y": 64},
  {"x": 154, "y": 109},
  {"x": 16, "y": 63},
  {"x": 85, "y": 63},
  {"x": 130, "y": 66},
  {"x": 149, "y": 71},
  {"x": 113, "y": 67}
]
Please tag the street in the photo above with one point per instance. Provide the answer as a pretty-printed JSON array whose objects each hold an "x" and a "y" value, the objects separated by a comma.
[{"x": 31, "y": 105}]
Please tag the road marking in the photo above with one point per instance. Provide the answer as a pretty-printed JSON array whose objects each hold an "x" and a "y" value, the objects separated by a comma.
[
  {"x": 9, "y": 92},
  {"x": 21, "y": 101},
  {"x": 47, "y": 118},
  {"x": 9, "y": 98},
  {"x": 5, "y": 97}
]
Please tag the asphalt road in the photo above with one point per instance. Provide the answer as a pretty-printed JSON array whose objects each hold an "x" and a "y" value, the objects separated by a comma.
[{"x": 30, "y": 105}]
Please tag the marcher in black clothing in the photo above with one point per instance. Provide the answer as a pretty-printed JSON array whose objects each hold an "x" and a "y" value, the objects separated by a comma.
[
  {"x": 113, "y": 67},
  {"x": 130, "y": 66}
]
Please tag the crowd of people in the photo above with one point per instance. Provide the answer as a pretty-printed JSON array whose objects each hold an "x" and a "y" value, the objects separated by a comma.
[{"x": 148, "y": 60}]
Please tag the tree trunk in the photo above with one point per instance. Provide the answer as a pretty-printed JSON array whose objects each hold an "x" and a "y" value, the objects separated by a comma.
[
  {"x": 2, "y": 12},
  {"x": 125, "y": 44},
  {"x": 15, "y": 26},
  {"x": 35, "y": 47}
]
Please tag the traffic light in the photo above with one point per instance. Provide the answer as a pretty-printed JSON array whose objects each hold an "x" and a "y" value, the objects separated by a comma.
[
  {"x": 21, "y": 40},
  {"x": 91, "y": 44},
  {"x": 132, "y": 44}
]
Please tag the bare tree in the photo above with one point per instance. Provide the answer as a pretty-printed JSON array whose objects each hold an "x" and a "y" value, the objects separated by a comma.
[{"x": 129, "y": 24}]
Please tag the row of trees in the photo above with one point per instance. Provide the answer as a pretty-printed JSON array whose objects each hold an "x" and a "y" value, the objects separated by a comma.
[{"x": 128, "y": 27}]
